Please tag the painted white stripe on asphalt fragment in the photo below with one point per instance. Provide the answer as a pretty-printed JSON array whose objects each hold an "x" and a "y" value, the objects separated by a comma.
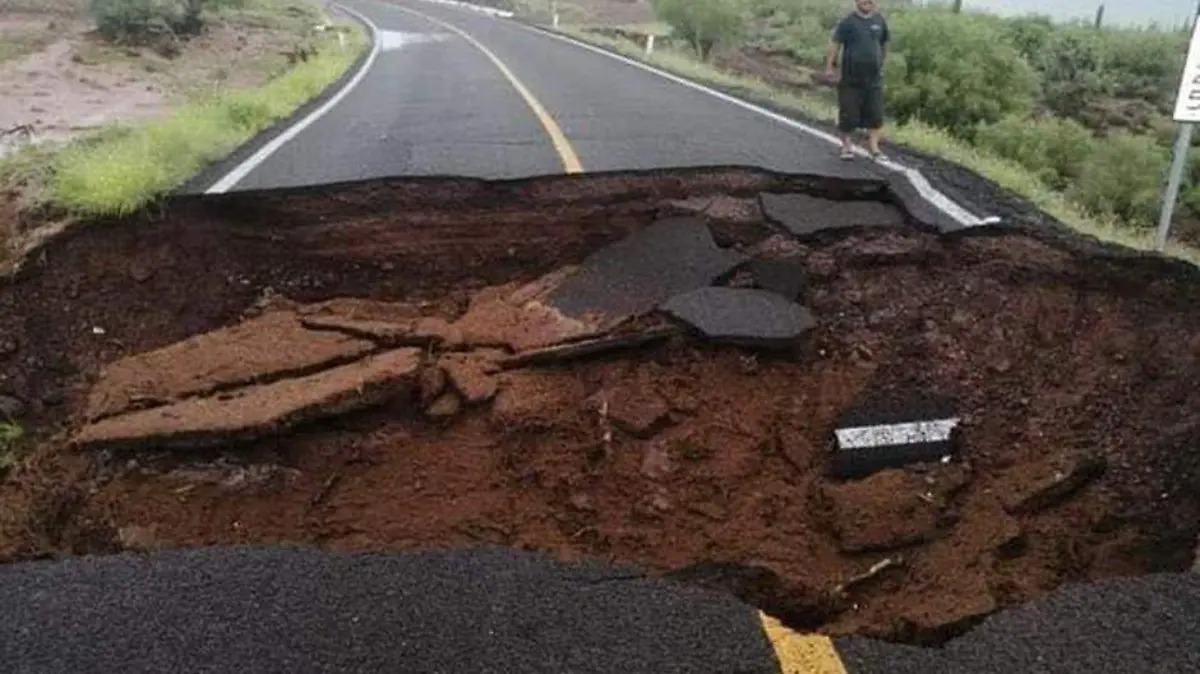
[
  {"x": 927, "y": 191},
  {"x": 252, "y": 162},
  {"x": 887, "y": 435}
]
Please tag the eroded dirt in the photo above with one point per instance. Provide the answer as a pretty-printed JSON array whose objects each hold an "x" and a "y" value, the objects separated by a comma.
[{"x": 677, "y": 456}]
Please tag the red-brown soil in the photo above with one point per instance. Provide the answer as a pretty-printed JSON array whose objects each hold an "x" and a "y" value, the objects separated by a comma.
[{"x": 665, "y": 456}]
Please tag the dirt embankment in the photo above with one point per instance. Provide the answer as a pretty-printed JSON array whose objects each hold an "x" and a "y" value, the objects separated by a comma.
[{"x": 1074, "y": 375}]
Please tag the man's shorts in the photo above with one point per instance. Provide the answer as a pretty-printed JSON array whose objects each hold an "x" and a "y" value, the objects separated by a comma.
[{"x": 860, "y": 107}]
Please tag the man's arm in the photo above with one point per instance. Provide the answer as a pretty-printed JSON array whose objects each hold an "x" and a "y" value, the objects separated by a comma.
[
  {"x": 836, "y": 40},
  {"x": 885, "y": 36}
]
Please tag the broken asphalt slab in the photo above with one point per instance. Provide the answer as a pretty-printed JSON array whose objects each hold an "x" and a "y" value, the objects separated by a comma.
[
  {"x": 787, "y": 276},
  {"x": 637, "y": 274},
  {"x": 804, "y": 215},
  {"x": 891, "y": 429},
  {"x": 744, "y": 316},
  {"x": 257, "y": 411},
  {"x": 1126, "y": 625},
  {"x": 261, "y": 349}
]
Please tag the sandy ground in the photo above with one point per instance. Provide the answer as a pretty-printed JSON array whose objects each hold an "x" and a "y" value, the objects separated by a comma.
[{"x": 59, "y": 80}]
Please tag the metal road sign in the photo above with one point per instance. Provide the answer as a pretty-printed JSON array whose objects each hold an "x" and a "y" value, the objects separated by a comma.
[
  {"x": 1187, "y": 101},
  {"x": 1187, "y": 113}
]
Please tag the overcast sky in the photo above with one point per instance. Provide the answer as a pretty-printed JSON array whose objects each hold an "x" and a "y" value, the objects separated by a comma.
[{"x": 1170, "y": 12}]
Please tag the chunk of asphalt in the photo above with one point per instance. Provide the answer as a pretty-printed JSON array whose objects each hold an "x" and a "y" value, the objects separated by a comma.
[
  {"x": 1140, "y": 624},
  {"x": 744, "y": 316},
  {"x": 919, "y": 208},
  {"x": 303, "y": 611},
  {"x": 637, "y": 274},
  {"x": 249, "y": 413},
  {"x": 785, "y": 277},
  {"x": 271, "y": 346},
  {"x": 893, "y": 429},
  {"x": 804, "y": 214}
]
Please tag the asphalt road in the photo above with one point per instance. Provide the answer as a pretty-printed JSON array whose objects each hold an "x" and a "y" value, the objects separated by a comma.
[
  {"x": 234, "y": 611},
  {"x": 302, "y": 611},
  {"x": 449, "y": 94}
]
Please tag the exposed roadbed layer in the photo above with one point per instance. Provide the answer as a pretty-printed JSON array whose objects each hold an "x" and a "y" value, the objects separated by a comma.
[{"x": 674, "y": 453}]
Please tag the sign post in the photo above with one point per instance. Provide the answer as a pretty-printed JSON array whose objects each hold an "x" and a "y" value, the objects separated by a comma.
[{"x": 1187, "y": 114}]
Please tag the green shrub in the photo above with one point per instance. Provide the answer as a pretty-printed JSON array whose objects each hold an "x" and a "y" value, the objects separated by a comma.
[
  {"x": 1071, "y": 64},
  {"x": 1122, "y": 177},
  {"x": 1053, "y": 148},
  {"x": 1029, "y": 34},
  {"x": 955, "y": 71},
  {"x": 1144, "y": 65},
  {"x": 140, "y": 21},
  {"x": 704, "y": 24}
]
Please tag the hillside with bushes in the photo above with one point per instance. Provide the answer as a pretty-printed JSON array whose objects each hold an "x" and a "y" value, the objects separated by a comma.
[{"x": 1086, "y": 110}]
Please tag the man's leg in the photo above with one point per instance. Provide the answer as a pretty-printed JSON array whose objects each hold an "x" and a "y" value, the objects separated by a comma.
[
  {"x": 849, "y": 114},
  {"x": 872, "y": 117}
]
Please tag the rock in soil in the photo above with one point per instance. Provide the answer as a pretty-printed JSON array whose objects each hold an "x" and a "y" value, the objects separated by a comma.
[
  {"x": 446, "y": 406},
  {"x": 633, "y": 409},
  {"x": 253, "y": 412},
  {"x": 530, "y": 400},
  {"x": 431, "y": 384},
  {"x": 258, "y": 350},
  {"x": 889, "y": 510},
  {"x": 136, "y": 538},
  {"x": 518, "y": 318},
  {"x": 1060, "y": 486},
  {"x": 11, "y": 408},
  {"x": 951, "y": 606},
  {"x": 473, "y": 374}
]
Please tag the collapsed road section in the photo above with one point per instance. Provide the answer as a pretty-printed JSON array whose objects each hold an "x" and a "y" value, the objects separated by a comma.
[{"x": 790, "y": 388}]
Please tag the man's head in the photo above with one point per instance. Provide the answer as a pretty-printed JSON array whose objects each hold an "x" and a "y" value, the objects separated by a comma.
[{"x": 864, "y": 6}]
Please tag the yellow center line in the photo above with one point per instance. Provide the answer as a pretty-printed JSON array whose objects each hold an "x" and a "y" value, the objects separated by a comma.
[
  {"x": 562, "y": 146},
  {"x": 801, "y": 653}
]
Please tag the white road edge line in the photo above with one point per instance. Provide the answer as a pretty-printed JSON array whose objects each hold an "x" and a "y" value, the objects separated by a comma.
[
  {"x": 918, "y": 181},
  {"x": 252, "y": 162}
]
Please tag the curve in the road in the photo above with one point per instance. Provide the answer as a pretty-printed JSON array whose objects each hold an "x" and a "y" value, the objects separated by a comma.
[
  {"x": 562, "y": 146},
  {"x": 239, "y": 172},
  {"x": 502, "y": 99}
]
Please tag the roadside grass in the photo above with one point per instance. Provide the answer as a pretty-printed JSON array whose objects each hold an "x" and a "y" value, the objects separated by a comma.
[
  {"x": 10, "y": 434},
  {"x": 122, "y": 169},
  {"x": 61, "y": 7},
  {"x": 819, "y": 105}
]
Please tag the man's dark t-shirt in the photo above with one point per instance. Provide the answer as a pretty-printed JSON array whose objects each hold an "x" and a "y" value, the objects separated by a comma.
[{"x": 862, "y": 38}]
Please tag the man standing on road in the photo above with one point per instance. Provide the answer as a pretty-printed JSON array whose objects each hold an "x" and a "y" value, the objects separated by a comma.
[{"x": 862, "y": 38}]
